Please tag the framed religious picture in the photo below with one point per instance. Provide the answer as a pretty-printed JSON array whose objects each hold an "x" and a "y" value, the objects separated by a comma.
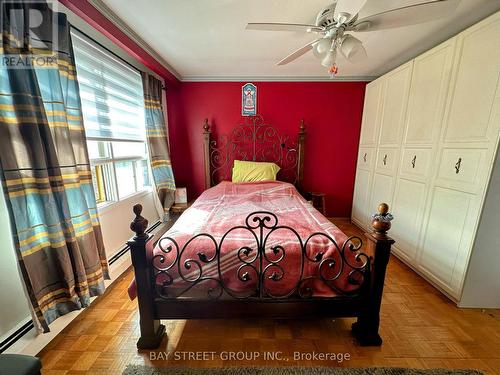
[
  {"x": 180, "y": 195},
  {"x": 249, "y": 99}
]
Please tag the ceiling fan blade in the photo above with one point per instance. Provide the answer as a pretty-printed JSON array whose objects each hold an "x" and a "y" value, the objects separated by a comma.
[
  {"x": 409, "y": 15},
  {"x": 350, "y": 7},
  {"x": 274, "y": 26},
  {"x": 296, "y": 54}
]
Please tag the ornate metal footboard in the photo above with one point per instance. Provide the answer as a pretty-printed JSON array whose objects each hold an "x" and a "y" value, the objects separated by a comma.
[
  {"x": 255, "y": 286},
  {"x": 259, "y": 265}
]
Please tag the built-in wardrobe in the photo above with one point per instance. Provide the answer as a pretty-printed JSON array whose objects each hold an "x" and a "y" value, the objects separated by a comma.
[{"x": 428, "y": 142}]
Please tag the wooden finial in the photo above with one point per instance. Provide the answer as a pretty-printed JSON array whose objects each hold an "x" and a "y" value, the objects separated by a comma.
[
  {"x": 302, "y": 128},
  {"x": 206, "y": 126},
  {"x": 381, "y": 222},
  {"x": 383, "y": 208},
  {"x": 139, "y": 224}
]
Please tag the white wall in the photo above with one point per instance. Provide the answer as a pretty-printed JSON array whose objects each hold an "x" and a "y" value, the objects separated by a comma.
[
  {"x": 482, "y": 283},
  {"x": 115, "y": 220},
  {"x": 14, "y": 310}
]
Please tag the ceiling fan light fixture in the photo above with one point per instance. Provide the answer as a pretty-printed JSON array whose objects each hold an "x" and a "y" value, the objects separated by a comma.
[
  {"x": 322, "y": 47},
  {"x": 350, "y": 46},
  {"x": 329, "y": 59},
  {"x": 343, "y": 17}
]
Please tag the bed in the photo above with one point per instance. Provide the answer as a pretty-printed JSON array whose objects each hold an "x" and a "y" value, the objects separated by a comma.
[{"x": 256, "y": 249}]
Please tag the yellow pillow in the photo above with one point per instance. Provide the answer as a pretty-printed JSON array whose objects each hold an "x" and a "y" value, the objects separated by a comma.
[{"x": 252, "y": 171}]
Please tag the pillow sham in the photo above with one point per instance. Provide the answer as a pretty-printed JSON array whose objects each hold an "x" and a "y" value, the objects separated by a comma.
[{"x": 253, "y": 171}]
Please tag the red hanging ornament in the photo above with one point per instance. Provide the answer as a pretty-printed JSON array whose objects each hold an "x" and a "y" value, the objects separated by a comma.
[{"x": 333, "y": 70}]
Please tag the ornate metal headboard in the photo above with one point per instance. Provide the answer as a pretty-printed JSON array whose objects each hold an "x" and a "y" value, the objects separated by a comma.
[{"x": 253, "y": 140}]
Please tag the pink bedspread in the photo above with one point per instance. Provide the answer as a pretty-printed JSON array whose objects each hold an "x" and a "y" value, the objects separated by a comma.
[{"x": 227, "y": 205}]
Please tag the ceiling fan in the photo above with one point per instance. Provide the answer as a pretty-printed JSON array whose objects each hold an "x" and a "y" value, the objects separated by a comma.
[{"x": 334, "y": 21}]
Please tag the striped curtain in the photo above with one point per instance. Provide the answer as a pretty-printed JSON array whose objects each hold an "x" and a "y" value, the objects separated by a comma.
[
  {"x": 156, "y": 133},
  {"x": 45, "y": 169}
]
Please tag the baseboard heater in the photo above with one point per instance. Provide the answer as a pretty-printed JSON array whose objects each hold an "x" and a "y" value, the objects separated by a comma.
[
  {"x": 29, "y": 325},
  {"x": 9, "y": 341}
]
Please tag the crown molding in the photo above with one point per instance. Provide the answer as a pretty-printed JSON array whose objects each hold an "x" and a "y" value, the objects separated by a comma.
[
  {"x": 118, "y": 22},
  {"x": 276, "y": 79}
]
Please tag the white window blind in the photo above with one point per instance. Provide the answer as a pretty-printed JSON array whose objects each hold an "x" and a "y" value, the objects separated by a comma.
[{"x": 111, "y": 93}]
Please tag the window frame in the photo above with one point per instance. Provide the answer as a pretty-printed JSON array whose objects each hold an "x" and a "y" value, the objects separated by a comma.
[{"x": 111, "y": 160}]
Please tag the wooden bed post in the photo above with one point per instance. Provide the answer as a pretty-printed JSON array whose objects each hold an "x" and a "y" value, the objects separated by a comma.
[
  {"x": 379, "y": 245},
  {"x": 152, "y": 331},
  {"x": 300, "y": 157},
  {"x": 206, "y": 153}
]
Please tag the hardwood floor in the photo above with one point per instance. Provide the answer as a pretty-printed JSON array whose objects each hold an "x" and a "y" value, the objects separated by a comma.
[{"x": 420, "y": 328}]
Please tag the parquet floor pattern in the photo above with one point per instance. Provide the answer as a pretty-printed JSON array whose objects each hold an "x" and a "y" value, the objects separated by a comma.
[{"x": 421, "y": 328}]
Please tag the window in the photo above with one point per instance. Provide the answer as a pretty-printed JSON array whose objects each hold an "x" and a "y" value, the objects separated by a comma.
[{"x": 113, "y": 115}]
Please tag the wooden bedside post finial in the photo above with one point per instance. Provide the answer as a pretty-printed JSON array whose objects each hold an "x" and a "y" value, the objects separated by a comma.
[
  {"x": 139, "y": 224},
  {"x": 206, "y": 153},
  {"x": 383, "y": 208},
  {"x": 302, "y": 127},
  {"x": 206, "y": 127},
  {"x": 301, "y": 140},
  {"x": 381, "y": 222}
]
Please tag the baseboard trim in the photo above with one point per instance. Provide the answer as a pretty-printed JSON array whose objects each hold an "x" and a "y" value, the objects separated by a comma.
[{"x": 16, "y": 335}]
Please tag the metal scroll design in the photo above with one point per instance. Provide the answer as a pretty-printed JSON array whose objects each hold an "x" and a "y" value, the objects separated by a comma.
[
  {"x": 259, "y": 268},
  {"x": 253, "y": 140}
]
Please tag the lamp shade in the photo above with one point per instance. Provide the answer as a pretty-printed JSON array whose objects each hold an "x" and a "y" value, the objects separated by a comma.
[
  {"x": 322, "y": 47},
  {"x": 351, "y": 47},
  {"x": 329, "y": 59}
]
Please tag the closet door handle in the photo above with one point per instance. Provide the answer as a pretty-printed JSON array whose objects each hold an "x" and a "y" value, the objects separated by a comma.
[
  {"x": 364, "y": 157},
  {"x": 413, "y": 161},
  {"x": 385, "y": 159},
  {"x": 458, "y": 165}
]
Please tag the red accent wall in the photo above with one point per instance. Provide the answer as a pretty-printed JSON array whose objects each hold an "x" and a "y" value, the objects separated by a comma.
[{"x": 332, "y": 112}]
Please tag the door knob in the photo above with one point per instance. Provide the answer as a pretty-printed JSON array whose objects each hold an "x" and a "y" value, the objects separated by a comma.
[{"x": 413, "y": 161}]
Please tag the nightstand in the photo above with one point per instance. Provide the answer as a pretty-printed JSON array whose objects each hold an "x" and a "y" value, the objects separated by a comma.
[
  {"x": 178, "y": 208},
  {"x": 318, "y": 201}
]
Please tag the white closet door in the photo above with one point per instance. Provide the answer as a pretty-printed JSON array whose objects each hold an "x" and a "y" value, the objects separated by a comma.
[
  {"x": 371, "y": 112},
  {"x": 448, "y": 238},
  {"x": 394, "y": 105},
  {"x": 474, "y": 109},
  {"x": 361, "y": 196},
  {"x": 416, "y": 163},
  {"x": 366, "y": 158},
  {"x": 382, "y": 191},
  {"x": 427, "y": 98},
  {"x": 408, "y": 208}
]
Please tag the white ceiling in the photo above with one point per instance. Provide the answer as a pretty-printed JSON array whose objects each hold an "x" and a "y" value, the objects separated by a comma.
[{"x": 207, "y": 40}]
